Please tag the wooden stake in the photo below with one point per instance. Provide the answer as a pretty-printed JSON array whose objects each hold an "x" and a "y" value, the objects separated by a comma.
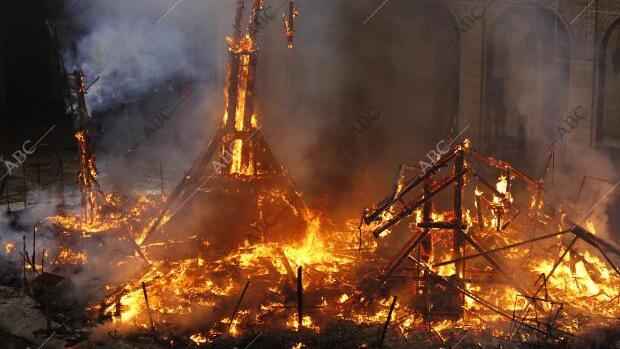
[
  {"x": 148, "y": 307},
  {"x": 234, "y": 314},
  {"x": 387, "y": 322}
]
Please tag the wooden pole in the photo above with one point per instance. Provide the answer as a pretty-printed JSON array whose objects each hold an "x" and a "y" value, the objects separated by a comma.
[
  {"x": 42, "y": 261},
  {"x": 148, "y": 307},
  {"x": 234, "y": 314},
  {"x": 488, "y": 252},
  {"x": 387, "y": 322}
]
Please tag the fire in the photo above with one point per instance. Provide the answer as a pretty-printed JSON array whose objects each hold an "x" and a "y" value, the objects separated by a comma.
[
  {"x": 332, "y": 260},
  {"x": 243, "y": 80},
  {"x": 88, "y": 178},
  {"x": 68, "y": 256},
  {"x": 590, "y": 226},
  {"x": 446, "y": 270},
  {"x": 9, "y": 246},
  {"x": 237, "y": 147},
  {"x": 478, "y": 192},
  {"x": 307, "y": 323},
  {"x": 198, "y": 338},
  {"x": 313, "y": 250},
  {"x": 587, "y": 283},
  {"x": 289, "y": 24},
  {"x": 502, "y": 185},
  {"x": 456, "y": 283}
]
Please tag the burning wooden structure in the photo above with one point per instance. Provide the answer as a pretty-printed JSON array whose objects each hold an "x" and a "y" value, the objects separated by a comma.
[
  {"x": 234, "y": 251},
  {"x": 236, "y": 181},
  {"x": 470, "y": 267},
  {"x": 88, "y": 174},
  {"x": 482, "y": 234}
]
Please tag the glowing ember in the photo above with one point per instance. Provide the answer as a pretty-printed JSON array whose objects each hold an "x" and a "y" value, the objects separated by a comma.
[{"x": 9, "y": 246}]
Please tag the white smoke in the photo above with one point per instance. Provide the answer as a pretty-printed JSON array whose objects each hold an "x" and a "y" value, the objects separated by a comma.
[
  {"x": 129, "y": 50},
  {"x": 130, "y": 59}
]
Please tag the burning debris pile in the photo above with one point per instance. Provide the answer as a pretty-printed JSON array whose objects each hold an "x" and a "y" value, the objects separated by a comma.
[
  {"x": 234, "y": 252},
  {"x": 471, "y": 270},
  {"x": 514, "y": 270}
]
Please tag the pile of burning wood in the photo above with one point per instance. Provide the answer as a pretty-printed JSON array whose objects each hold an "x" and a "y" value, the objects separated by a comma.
[
  {"x": 486, "y": 265},
  {"x": 235, "y": 252}
]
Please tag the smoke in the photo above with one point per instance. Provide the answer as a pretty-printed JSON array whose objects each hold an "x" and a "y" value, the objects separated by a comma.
[
  {"x": 132, "y": 58},
  {"x": 15, "y": 226},
  {"x": 144, "y": 59},
  {"x": 132, "y": 48},
  {"x": 340, "y": 70},
  {"x": 532, "y": 73},
  {"x": 310, "y": 98}
]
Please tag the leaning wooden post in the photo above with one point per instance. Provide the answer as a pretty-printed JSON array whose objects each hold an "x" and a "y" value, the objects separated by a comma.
[
  {"x": 299, "y": 300},
  {"x": 234, "y": 314},
  {"x": 148, "y": 307},
  {"x": 387, "y": 322}
]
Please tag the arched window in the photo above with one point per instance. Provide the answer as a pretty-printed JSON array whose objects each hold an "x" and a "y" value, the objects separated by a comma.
[
  {"x": 527, "y": 75},
  {"x": 608, "y": 107}
]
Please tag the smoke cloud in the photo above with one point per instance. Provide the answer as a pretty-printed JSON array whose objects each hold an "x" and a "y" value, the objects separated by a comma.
[{"x": 310, "y": 98}]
